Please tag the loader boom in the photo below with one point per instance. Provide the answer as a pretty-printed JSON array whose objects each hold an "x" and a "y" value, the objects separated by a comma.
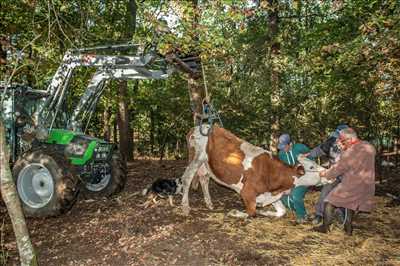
[{"x": 108, "y": 67}]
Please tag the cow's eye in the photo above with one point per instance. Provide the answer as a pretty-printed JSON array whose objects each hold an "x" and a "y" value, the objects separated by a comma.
[{"x": 312, "y": 167}]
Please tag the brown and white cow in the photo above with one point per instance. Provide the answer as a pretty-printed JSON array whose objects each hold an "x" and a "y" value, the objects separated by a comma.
[{"x": 251, "y": 171}]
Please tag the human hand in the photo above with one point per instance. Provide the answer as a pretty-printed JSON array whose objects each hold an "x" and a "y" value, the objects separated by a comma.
[
  {"x": 295, "y": 180},
  {"x": 302, "y": 156},
  {"x": 322, "y": 173}
]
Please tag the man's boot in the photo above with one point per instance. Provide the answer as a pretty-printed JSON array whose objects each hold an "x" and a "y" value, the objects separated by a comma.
[
  {"x": 340, "y": 215},
  {"x": 327, "y": 220},
  {"x": 348, "y": 226}
]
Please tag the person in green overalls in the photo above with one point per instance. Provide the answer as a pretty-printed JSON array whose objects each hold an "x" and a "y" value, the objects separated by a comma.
[{"x": 288, "y": 153}]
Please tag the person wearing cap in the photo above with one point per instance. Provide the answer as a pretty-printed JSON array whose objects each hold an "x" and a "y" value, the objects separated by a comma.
[
  {"x": 356, "y": 190},
  {"x": 329, "y": 148},
  {"x": 288, "y": 153}
]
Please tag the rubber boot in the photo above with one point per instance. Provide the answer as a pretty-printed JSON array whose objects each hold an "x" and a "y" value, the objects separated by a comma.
[
  {"x": 327, "y": 219},
  {"x": 340, "y": 215},
  {"x": 348, "y": 223}
]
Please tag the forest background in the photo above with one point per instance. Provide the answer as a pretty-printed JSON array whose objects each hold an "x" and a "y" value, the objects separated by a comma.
[{"x": 300, "y": 67}]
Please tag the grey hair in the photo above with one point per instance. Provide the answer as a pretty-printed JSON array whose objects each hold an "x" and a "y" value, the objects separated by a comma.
[{"x": 349, "y": 133}]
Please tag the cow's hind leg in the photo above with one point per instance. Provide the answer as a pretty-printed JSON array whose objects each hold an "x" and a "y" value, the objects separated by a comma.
[
  {"x": 204, "y": 181},
  {"x": 187, "y": 177},
  {"x": 279, "y": 207},
  {"x": 195, "y": 182}
]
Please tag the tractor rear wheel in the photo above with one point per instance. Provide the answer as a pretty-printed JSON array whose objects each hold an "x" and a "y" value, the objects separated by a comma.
[
  {"x": 45, "y": 183},
  {"x": 111, "y": 183}
]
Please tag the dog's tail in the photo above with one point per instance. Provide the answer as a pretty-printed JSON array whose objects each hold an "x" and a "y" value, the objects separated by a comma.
[{"x": 146, "y": 190}]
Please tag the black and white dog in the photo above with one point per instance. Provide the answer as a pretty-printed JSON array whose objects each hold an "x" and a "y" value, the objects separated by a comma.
[{"x": 163, "y": 188}]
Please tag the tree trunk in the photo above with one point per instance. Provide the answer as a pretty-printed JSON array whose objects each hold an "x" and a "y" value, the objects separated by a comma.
[
  {"x": 132, "y": 119},
  {"x": 152, "y": 129},
  {"x": 115, "y": 128},
  {"x": 177, "y": 151},
  {"x": 131, "y": 143},
  {"x": 196, "y": 91},
  {"x": 3, "y": 55},
  {"x": 196, "y": 87},
  {"x": 131, "y": 16},
  {"x": 273, "y": 21},
  {"x": 106, "y": 120},
  {"x": 123, "y": 125},
  {"x": 9, "y": 193},
  {"x": 125, "y": 136}
]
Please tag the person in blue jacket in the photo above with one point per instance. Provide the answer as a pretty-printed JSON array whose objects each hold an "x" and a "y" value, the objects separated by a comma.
[{"x": 288, "y": 153}]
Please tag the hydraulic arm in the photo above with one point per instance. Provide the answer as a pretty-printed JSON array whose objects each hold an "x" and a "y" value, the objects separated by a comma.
[{"x": 108, "y": 67}]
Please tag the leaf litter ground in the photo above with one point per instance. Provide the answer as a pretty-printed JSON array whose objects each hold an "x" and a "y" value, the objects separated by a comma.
[{"x": 121, "y": 231}]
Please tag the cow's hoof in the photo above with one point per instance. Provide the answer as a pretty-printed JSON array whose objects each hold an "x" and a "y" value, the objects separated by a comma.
[
  {"x": 264, "y": 213},
  {"x": 237, "y": 214},
  {"x": 277, "y": 214}
]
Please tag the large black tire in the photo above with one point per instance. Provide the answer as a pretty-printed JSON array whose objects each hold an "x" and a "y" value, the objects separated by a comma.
[
  {"x": 115, "y": 184},
  {"x": 45, "y": 183}
]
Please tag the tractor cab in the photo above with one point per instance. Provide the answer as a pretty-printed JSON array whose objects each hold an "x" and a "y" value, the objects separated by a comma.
[{"x": 19, "y": 111}]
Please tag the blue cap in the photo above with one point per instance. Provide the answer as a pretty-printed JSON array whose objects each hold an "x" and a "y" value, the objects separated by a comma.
[
  {"x": 338, "y": 129},
  {"x": 284, "y": 140}
]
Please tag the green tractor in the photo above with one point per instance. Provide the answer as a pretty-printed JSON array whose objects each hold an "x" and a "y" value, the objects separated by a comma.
[{"x": 52, "y": 158}]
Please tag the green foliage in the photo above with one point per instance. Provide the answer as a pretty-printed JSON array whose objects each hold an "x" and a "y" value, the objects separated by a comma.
[{"x": 338, "y": 62}]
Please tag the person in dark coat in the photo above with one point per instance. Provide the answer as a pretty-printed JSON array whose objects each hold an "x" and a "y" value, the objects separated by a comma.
[
  {"x": 329, "y": 148},
  {"x": 356, "y": 191}
]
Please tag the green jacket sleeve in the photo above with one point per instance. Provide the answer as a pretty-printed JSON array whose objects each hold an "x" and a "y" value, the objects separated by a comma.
[
  {"x": 302, "y": 148},
  {"x": 282, "y": 157}
]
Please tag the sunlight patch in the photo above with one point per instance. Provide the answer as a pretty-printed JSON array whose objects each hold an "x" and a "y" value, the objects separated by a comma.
[{"x": 233, "y": 159}]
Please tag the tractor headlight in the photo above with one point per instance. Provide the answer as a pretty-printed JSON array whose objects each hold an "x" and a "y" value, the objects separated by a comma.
[{"x": 77, "y": 147}]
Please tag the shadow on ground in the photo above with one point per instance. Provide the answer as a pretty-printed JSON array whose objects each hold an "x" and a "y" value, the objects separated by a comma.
[{"x": 121, "y": 231}]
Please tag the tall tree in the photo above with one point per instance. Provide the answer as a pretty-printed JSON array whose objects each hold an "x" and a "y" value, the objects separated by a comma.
[
  {"x": 195, "y": 84},
  {"x": 11, "y": 199},
  {"x": 274, "y": 50},
  {"x": 3, "y": 53},
  {"x": 123, "y": 122},
  {"x": 125, "y": 131}
]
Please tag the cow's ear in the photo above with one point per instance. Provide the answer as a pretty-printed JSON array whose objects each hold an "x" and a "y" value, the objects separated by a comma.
[{"x": 300, "y": 170}]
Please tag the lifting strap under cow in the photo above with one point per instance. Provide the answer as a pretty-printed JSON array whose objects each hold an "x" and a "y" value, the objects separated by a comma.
[{"x": 209, "y": 114}]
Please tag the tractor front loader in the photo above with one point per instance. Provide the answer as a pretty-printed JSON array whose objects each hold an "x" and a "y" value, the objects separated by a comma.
[{"x": 52, "y": 157}]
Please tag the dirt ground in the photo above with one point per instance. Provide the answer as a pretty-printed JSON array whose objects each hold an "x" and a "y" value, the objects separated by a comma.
[{"x": 121, "y": 231}]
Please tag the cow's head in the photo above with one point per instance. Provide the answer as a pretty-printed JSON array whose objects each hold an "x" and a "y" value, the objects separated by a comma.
[
  {"x": 311, "y": 176},
  {"x": 309, "y": 165}
]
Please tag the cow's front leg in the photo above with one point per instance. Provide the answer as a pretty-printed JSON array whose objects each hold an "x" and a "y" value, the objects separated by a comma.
[
  {"x": 248, "y": 194},
  {"x": 187, "y": 177},
  {"x": 279, "y": 207},
  {"x": 204, "y": 181}
]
